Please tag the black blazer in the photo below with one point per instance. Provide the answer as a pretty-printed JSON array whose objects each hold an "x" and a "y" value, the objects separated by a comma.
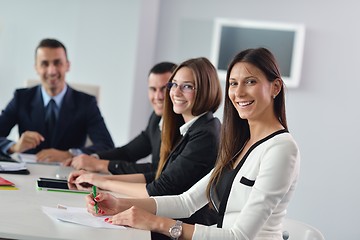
[
  {"x": 79, "y": 117},
  {"x": 190, "y": 160},
  {"x": 123, "y": 159},
  {"x": 193, "y": 157}
]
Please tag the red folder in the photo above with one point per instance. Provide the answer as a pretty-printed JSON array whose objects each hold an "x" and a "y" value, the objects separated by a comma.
[{"x": 4, "y": 182}]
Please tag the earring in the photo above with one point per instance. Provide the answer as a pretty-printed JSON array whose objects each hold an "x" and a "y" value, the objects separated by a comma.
[{"x": 274, "y": 96}]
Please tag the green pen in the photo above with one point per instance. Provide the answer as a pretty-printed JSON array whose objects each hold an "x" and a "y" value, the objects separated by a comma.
[{"x": 94, "y": 195}]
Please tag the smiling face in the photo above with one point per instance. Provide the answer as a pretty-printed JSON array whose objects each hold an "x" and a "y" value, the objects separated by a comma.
[
  {"x": 157, "y": 86},
  {"x": 251, "y": 93},
  {"x": 183, "y": 102},
  {"x": 51, "y": 65}
]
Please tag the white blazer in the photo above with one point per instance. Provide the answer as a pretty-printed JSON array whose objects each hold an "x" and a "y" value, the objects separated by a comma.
[{"x": 250, "y": 212}]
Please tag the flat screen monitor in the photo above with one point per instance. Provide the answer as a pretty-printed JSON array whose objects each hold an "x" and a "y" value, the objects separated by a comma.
[{"x": 285, "y": 41}]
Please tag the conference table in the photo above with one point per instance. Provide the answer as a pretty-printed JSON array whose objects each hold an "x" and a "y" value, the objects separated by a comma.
[{"x": 21, "y": 215}]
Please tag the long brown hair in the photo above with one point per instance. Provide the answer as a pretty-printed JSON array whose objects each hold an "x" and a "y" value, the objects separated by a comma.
[
  {"x": 235, "y": 131},
  {"x": 207, "y": 98}
]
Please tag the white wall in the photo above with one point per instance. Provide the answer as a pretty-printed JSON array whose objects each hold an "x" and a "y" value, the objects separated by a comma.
[
  {"x": 323, "y": 113},
  {"x": 101, "y": 37}
]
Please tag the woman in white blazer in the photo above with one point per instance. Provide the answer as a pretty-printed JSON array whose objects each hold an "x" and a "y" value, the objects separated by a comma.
[{"x": 256, "y": 171}]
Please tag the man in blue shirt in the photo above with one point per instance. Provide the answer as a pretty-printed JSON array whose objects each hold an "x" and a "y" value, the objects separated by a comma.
[{"x": 75, "y": 115}]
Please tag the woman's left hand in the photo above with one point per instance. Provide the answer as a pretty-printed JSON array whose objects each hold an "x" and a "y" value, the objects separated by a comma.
[{"x": 135, "y": 217}]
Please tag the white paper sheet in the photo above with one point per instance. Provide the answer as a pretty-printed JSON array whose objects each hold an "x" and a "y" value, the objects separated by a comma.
[
  {"x": 78, "y": 216},
  {"x": 31, "y": 158},
  {"x": 12, "y": 166},
  {"x": 27, "y": 158}
]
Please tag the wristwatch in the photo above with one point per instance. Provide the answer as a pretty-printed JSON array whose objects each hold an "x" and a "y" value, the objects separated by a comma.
[{"x": 176, "y": 230}]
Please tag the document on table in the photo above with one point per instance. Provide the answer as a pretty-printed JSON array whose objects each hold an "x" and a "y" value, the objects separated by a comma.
[
  {"x": 78, "y": 216},
  {"x": 12, "y": 166},
  {"x": 27, "y": 158},
  {"x": 31, "y": 158}
]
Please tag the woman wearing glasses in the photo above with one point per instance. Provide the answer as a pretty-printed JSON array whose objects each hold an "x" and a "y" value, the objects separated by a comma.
[
  {"x": 255, "y": 175},
  {"x": 190, "y": 137}
]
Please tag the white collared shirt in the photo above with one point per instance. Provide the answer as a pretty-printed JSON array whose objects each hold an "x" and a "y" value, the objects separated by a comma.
[
  {"x": 185, "y": 127},
  {"x": 58, "y": 99}
]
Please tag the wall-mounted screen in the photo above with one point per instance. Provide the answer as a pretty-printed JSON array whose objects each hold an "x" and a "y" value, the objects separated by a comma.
[{"x": 285, "y": 41}]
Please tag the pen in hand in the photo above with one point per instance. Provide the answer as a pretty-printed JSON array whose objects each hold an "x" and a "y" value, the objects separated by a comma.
[{"x": 94, "y": 195}]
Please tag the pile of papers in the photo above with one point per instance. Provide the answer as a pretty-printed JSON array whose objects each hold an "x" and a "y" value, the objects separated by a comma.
[{"x": 13, "y": 167}]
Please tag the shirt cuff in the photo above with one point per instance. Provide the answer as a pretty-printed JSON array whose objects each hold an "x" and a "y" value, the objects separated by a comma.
[
  {"x": 7, "y": 147},
  {"x": 75, "y": 151},
  {"x": 95, "y": 155}
]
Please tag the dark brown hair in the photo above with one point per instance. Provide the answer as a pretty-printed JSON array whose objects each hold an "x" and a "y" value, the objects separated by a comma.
[
  {"x": 51, "y": 43},
  {"x": 235, "y": 131},
  {"x": 162, "y": 67}
]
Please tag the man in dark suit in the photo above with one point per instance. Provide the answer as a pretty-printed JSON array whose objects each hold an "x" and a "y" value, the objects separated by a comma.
[
  {"x": 53, "y": 119},
  {"x": 122, "y": 160}
]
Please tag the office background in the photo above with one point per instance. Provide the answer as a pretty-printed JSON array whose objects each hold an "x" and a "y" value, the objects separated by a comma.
[{"x": 114, "y": 43}]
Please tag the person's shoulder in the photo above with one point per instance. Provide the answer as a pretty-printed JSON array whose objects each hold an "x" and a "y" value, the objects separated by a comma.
[
  {"x": 283, "y": 140},
  {"x": 154, "y": 117},
  {"x": 209, "y": 119},
  {"x": 284, "y": 136},
  {"x": 207, "y": 124},
  {"x": 25, "y": 92},
  {"x": 28, "y": 90}
]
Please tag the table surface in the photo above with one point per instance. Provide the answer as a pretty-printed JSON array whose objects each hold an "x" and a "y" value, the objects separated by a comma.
[{"x": 21, "y": 216}]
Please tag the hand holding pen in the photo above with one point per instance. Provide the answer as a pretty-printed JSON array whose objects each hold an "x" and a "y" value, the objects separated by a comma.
[
  {"x": 106, "y": 204},
  {"x": 94, "y": 196}
]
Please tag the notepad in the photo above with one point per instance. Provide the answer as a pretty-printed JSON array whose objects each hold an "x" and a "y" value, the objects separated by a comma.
[
  {"x": 8, "y": 188},
  {"x": 13, "y": 167}
]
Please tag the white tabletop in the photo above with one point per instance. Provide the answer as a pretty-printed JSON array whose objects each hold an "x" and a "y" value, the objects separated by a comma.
[{"x": 21, "y": 216}]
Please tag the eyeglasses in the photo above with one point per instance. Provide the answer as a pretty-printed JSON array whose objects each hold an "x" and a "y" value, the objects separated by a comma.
[{"x": 185, "y": 88}]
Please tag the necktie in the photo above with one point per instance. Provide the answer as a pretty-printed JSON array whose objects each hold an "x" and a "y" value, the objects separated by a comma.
[{"x": 50, "y": 119}]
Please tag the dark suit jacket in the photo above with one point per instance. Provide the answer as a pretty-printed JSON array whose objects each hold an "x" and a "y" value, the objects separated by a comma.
[
  {"x": 192, "y": 158},
  {"x": 79, "y": 117},
  {"x": 123, "y": 159}
]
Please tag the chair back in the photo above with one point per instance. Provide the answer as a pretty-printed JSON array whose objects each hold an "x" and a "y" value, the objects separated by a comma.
[
  {"x": 86, "y": 88},
  {"x": 296, "y": 230}
]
